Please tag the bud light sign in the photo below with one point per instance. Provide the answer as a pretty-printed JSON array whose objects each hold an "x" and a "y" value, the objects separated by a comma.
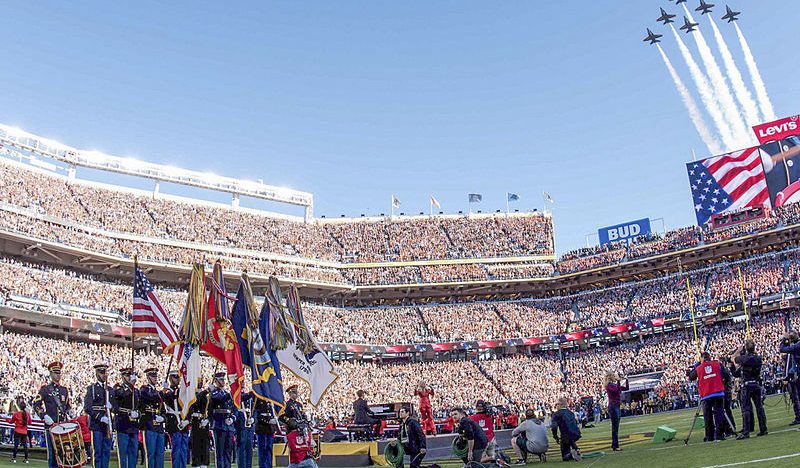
[{"x": 624, "y": 232}]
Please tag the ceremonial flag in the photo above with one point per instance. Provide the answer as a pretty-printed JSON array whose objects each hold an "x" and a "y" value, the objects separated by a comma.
[
  {"x": 395, "y": 202},
  {"x": 475, "y": 197},
  {"x": 189, "y": 374},
  {"x": 728, "y": 182},
  {"x": 435, "y": 202},
  {"x": 193, "y": 333},
  {"x": 512, "y": 196},
  {"x": 302, "y": 355},
  {"x": 149, "y": 316},
  {"x": 252, "y": 331},
  {"x": 222, "y": 344},
  {"x": 547, "y": 197}
]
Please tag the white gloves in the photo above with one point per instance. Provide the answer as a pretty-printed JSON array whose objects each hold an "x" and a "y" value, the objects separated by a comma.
[
  {"x": 182, "y": 425},
  {"x": 134, "y": 414},
  {"x": 159, "y": 418},
  {"x": 204, "y": 423},
  {"x": 273, "y": 421},
  {"x": 48, "y": 420},
  {"x": 105, "y": 420},
  {"x": 108, "y": 405},
  {"x": 228, "y": 421},
  {"x": 250, "y": 421}
]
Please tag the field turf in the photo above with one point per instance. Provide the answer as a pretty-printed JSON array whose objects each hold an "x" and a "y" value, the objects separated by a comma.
[{"x": 781, "y": 448}]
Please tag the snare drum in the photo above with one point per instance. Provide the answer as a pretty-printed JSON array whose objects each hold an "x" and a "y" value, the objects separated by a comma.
[{"x": 68, "y": 445}]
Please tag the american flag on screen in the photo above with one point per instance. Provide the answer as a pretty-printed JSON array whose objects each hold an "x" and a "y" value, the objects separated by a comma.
[
  {"x": 149, "y": 316},
  {"x": 728, "y": 182}
]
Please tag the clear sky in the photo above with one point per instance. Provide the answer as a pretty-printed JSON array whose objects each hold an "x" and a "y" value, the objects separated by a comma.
[{"x": 356, "y": 100}]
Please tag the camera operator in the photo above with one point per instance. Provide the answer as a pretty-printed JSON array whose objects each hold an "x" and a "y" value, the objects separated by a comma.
[
  {"x": 710, "y": 376},
  {"x": 485, "y": 420},
  {"x": 790, "y": 345},
  {"x": 750, "y": 392},
  {"x": 729, "y": 424}
]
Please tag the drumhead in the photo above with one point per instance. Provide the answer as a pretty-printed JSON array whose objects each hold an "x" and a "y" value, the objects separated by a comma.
[{"x": 64, "y": 428}]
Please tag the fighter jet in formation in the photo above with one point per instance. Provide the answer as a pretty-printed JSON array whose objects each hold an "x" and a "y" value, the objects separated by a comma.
[
  {"x": 704, "y": 7},
  {"x": 652, "y": 37},
  {"x": 688, "y": 26},
  {"x": 678, "y": 2},
  {"x": 731, "y": 15},
  {"x": 665, "y": 17}
]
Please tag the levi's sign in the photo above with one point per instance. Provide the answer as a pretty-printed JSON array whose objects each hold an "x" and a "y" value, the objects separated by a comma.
[
  {"x": 778, "y": 129},
  {"x": 624, "y": 232}
]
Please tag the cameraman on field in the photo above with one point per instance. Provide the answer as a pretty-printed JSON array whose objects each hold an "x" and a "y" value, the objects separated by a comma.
[
  {"x": 750, "y": 392},
  {"x": 790, "y": 345}
]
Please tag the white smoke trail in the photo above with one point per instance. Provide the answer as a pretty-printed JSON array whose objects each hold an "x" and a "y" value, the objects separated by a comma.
[
  {"x": 706, "y": 95},
  {"x": 761, "y": 91},
  {"x": 720, "y": 86},
  {"x": 695, "y": 114},
  {"x": 743, "y": 95}
]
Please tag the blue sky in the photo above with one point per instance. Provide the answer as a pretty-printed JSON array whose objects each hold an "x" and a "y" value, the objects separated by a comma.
[{"x": 354, "y": 101}]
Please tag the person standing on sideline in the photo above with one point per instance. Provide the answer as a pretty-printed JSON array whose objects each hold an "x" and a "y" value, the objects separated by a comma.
[
  {"x": 20, "y": 419},
  {"x": 614, "y": 388}
]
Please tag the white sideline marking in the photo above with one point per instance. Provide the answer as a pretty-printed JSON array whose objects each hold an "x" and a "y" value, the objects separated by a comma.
[{"x": 755, "y": 461}]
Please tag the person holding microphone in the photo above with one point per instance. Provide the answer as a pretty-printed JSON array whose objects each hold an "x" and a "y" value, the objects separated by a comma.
[{"x": 614, "y": 388}]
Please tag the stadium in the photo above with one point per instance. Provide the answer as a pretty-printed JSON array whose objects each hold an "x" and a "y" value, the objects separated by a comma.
[{"x": 478, "y": 306}]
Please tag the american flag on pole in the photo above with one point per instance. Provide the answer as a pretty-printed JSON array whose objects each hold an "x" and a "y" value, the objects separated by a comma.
[
  {"x": 149, "y": 316},
  {"x": 728, "y": 182}
]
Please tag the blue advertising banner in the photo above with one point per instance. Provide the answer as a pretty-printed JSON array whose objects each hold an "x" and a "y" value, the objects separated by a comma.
[{"x": 624, "y": 232}]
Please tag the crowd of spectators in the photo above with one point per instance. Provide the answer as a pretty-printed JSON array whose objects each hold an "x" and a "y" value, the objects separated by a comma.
[
  {"x": 419, "y": 238},
  {"x": 62, "y": 291},
  {"x": 534, "y": 378}
]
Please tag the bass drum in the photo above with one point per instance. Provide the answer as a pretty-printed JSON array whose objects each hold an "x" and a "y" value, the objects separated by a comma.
[{"x": 68, "y": 445}]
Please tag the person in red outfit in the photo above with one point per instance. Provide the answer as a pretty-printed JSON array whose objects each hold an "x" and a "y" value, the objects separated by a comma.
[
  {"x": 20, "y": 419},
  {"x": 425, "y": 410},
  {"x": 301, "y": 447}
]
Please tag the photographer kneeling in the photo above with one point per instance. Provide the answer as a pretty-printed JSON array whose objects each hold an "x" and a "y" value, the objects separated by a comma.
[
  {"x": 790, "y": 344},
  {"x": 530, "y": 437},
  {"x": 750, "y": 392}
]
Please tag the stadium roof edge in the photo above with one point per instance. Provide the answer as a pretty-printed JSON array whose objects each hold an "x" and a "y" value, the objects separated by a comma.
[{"x": 158, "y": 172}]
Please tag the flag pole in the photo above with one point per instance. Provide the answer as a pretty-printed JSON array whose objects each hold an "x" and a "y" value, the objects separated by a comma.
[
  {"x": 744, "y": 302},
  {"x": 691, "y": 309},
  {"x": 391, "y": 203},
  {"x": 133, "y": 353},
  {"x": 507, "y": 210}
]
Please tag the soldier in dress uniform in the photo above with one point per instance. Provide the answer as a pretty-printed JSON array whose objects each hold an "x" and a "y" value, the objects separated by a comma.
[
  {"x": 266, "y": 427},
  {"x": 294, "y": 409},
  {"x": 199, "y": 441},
  {"x": 245, "y": 425},
  {"x": 152, "y": 407},
  {"x": 223, "y": 412},
  {"x": 125, "y": 404},
  {"x": 52, "y": 405},
  {"x": 97, "y": 406},
  {"x": 176, "y": 427}
]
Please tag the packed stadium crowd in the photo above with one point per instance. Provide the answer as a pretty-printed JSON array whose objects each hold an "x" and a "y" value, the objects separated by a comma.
[
  {"x": 522, "y": 380},
  {"x": 61, "y": 291},
  {"x": 122, "y": 222},
  {"x": 123, "y": 211}
]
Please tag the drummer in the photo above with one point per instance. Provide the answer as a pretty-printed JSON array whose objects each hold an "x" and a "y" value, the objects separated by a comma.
[
  {"x": 97, "y": 405},
  {"x": 52, "y": 405}
]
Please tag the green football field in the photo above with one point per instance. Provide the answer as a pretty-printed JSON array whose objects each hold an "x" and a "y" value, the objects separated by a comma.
[{"x": 781, "y": 448}]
